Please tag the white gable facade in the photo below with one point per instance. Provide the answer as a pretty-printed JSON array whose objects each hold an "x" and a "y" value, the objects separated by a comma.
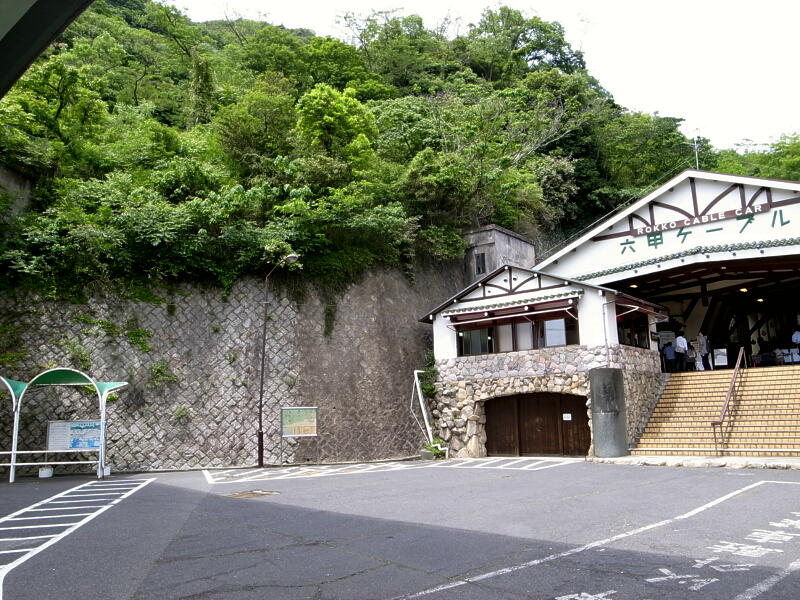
[
  {"x": 517, "y": 350},
  {"x": 720, "y": 252},
  {"x": 696, "y": 218}
]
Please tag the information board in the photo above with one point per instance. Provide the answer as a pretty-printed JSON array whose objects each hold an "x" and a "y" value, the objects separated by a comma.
[
  {"x": 300, "y": 421},
  {"x": 721, "y": 358},
  {"x": 73, "y": 435}
]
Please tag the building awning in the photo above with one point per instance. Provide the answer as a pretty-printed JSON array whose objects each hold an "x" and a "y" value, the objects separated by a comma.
[
  {"x": 529, "y": 307},
  {"x": 531, "y": 301}
]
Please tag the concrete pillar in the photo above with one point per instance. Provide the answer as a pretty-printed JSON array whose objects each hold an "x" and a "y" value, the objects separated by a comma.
[{"x": 609, "y": 423}]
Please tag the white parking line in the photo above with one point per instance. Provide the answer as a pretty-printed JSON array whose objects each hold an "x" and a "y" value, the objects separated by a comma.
[
  {"x": 487, "y": 463},
  {"x": 50, "y": 517},
  {"x": 753, "y": 592},
  {"x": 768, "y": 583},
  {"x": 84, "y": 507},
  {"x": 49, "y": 540},
  {"x": 533, "y": 464},
  {"x": 32, "y": 537},
  {"x": 560, "y": 464},
  {"x": 301, "y": 472},
  {"x": 514, "y": 462},
  {"x": 50, "y": 526}
]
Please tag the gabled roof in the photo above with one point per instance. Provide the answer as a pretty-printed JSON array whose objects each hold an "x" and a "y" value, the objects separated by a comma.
[
  {"x": 523, "y": 295},
  {"x": 685, "y": 175},
  {"x": 26, "y": 28}
]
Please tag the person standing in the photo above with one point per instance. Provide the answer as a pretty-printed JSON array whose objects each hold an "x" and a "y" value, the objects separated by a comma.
[
  {"x": 702, "y": 350},
  {"x": 669, "y": 358},
  {"x": 681, "y": 348}
]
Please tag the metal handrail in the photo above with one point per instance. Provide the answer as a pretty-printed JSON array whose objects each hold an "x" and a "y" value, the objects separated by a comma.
[
  {"x": 723, "y": 413},
  {"x": 428, "y": 431}
]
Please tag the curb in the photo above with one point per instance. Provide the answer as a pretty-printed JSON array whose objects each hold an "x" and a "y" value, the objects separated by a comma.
[{"x": 699, "y": 462}]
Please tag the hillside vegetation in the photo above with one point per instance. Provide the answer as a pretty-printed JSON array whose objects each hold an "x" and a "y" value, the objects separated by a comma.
[{"x": 164, "y": 150}]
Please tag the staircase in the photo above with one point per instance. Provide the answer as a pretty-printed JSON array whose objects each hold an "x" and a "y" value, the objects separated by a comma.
[{"x": 763, "y": 416}]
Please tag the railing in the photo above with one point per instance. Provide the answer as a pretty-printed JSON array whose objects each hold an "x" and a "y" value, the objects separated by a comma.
[
  {"x": 728, "y": 397},
  {"x": 427, "y": 430}
]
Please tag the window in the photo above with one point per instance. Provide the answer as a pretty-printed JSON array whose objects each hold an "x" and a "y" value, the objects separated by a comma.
[
  {"x": 524, "y": 333},
  {"x": 505, "y": 338},
  {"x": 517, "y": 335},
  {"x": 559, "y": 332},
  {"x": 633, "y": 329},
  {"x": 480, "y": 263},
  {"x": 555, "y": 333},
  {"x": 475, "y": 341}
]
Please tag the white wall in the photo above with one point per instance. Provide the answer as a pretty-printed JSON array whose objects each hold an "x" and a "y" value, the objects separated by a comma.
[
  {"x": 652, "y": 321},
  {"x": 444, "y": 339},
  {"x": 592, "y": 314}
]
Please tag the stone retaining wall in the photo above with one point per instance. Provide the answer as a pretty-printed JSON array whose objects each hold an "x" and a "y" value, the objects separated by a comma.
[
  {"x": 465, "y": 383},
  {"x": 193, "y": 366}
]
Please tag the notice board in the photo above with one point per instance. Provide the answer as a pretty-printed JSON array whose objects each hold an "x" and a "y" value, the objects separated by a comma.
[
  {"x": 74, "y": 435},
  {"x": 300, "y": 421}
]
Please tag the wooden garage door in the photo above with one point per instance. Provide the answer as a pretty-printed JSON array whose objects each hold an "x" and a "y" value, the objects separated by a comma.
[
  {"x": 537, "y": 424},
  {"x": 575, "y": 433},
  {"x": 502, "y": 431}
]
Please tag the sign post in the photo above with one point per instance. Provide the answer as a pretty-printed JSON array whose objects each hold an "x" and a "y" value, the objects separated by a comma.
[{"x": 299, "y": 421}]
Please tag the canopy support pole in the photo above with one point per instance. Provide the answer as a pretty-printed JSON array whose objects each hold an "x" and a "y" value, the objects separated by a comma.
[{"x": 14, "y": 440}]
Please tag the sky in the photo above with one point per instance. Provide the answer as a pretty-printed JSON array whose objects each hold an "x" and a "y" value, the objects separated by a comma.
[{"x": 727, "y": 67}]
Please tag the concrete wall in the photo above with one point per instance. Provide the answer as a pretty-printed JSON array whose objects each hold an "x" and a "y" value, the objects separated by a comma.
[
  {"x": 18, "y": 189},
  {"x": 500, "y": 246},
  {"x": 193, "y": 398}
]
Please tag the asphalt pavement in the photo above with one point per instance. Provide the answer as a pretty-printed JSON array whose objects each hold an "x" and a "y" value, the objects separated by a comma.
[{"x": 442, "y": 530}]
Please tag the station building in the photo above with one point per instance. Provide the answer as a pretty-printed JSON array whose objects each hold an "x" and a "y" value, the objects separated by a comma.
[{"x": 518, "y": 350}]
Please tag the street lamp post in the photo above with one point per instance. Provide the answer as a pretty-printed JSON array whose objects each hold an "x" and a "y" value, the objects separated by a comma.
[{"x": 286, "y": 260}]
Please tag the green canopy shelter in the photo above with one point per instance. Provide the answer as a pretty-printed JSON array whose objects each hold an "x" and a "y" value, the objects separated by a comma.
[{"x": 61, "y": 376}]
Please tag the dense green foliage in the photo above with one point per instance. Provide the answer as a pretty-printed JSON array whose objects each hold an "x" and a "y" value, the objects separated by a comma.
[{"x": 165, "y": 150}]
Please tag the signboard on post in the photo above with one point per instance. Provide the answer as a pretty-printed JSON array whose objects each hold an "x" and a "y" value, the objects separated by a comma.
[
  {"x": 299, "y": 421},
  {"x": 74, "y": 435}
]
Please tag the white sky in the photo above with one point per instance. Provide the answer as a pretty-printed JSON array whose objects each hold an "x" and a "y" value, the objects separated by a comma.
[{"x": 728, "y": 67}]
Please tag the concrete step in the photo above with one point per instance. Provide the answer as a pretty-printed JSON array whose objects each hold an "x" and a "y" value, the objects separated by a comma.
[
  {"x": 778, "y": 410},
  {"x": 763, "y": 418},
  {"x": 718, "y": 403},
  {"x": 737, "y": 428},
  {"x": 710, "y": 451},
  {"x": 745, "y": 393},
  {"x": 785, "y": 444}
]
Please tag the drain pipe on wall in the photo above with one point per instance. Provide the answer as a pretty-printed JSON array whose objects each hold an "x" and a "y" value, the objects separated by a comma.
[
  {"x": 605, "y": 330},
  {"x": 428, "y": 430}
]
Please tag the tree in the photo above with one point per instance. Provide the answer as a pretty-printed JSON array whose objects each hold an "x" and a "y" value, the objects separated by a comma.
[
  {"x": 781, "y": 160},
  {"x": 201, "y": 92},
  {"x": 504, "y": 46},
  {"x": 52, "y": 107},
  {"x": 276, "y": 50},
  {"x": 638, "y": 150},
  {"x": 328, "y": 60},
  {"x": 335, "y": 122},
  {"x": 401, "y": 49},
  {"x": 253, "y": 131}
]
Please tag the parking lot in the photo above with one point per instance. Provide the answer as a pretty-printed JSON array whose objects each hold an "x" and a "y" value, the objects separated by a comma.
[{"x": 485, "y": 529}]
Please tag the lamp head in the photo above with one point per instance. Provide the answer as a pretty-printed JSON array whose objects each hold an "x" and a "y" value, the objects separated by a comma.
[{"x": 290, "y": 258}]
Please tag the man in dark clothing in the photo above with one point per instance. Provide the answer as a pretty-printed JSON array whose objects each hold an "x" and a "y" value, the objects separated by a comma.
[{"x": 669, "y": 358}]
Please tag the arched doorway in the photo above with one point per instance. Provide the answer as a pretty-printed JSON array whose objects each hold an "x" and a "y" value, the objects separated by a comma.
[{"x": 541, "y": 423}]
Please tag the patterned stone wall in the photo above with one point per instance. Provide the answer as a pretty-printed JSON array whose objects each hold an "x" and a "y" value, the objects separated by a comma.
[
  {"x": 465, "y": 383},
  {"x": 193, "y": 365}
]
